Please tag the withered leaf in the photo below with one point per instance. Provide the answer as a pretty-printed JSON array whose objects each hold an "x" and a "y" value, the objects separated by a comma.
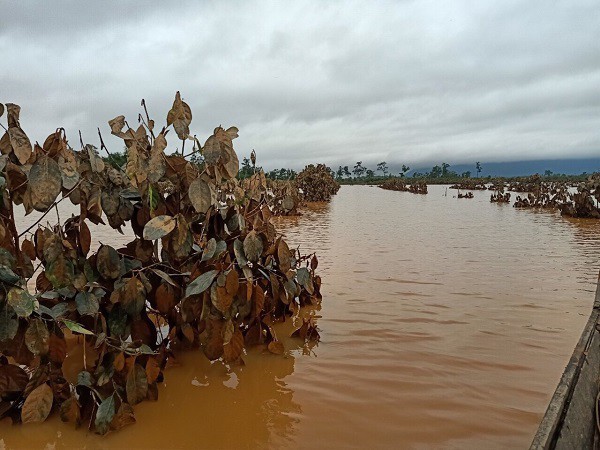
[
  {"x": 45, "y": 183},
  {"x": 37, "y": 337},
  {"x": 9, "y": 324},
  {"x": 123, "y": 417},
  {"x": 87, "y": 303},
  {"x": 136, "y": 385},
  {"x": 232, "y": 350},
  {"x": 159, "y": 227},
  {"x": 201, "y": 195},
  {"x": 180, "y": 116},
  {"x": 12, "y": 114},
  {"x": 21, "y": 301},
  {"x": 108, "y": 262},
  {"x": 213, "y": 349},
  {"x": 70, "y": 411},
  {"x": 38, "y": 404},
  {"x": 165, "y": 298},
  {"x": 133, "y": 298},
  {"x": 152, "y": 370},
  {"x": 57, "y": 348},
  {"x": 13, "y": 380},
  {"x": 20, "y": 144},
  {"x": 253, "y": 246},
  {"x": 116, "y": 126}
]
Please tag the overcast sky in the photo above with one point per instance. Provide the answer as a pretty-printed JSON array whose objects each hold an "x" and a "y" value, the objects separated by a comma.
[{"x": 317, "y": 81}]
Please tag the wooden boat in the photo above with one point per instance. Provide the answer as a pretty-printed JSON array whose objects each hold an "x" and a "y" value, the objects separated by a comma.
[{"x": 571, "y": 420}]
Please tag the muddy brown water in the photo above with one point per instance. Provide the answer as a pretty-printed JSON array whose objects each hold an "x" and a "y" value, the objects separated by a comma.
[{"x": 446, "y": 323}]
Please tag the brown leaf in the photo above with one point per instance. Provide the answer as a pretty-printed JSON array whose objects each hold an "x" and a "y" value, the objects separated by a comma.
[
  {"x": 20, "y": 144},
  {"x": 213, "y": 349},
  {"x": 57, "y": 349},
  {"x": 283, "y": 256},
  {"x": 85, "y": 237},
  {"x": 258, "y": 300},
  {"x": 116, "y": 126},
  {"x": 45, "y": 183},
  {"x": 232, "y": 283},
  {"x": 13, "y": 380},
  {"x": 232, "y": 351},
  {"x": 253, "y": 246},
  {"x": 119, "y": 361},
  {"x": 166, "y": 298},
  {"x": 28, "y": 248},
  {"x": 124, "y": 416},
  {"x": 180, "y": 116},
  {"x": 152, "y": 370},
  {"x": 70, "y": 411},
  {"x": 12, "y": 114},
  {"x": 38, "y": 404},
  {"x": 201, "y": 195}
]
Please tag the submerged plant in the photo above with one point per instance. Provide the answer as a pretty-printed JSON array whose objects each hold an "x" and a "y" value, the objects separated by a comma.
[
  {"x": 206, "y": 268},
  {"x": 316, "y": 183}
]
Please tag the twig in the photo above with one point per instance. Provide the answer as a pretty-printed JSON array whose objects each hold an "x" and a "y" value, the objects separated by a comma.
[
  {"x": 147, "y": 118},
  {"x": 103, "y": 147}
]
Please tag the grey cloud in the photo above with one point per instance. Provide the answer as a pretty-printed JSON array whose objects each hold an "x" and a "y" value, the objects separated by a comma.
[{"x": 405, "y": 81}]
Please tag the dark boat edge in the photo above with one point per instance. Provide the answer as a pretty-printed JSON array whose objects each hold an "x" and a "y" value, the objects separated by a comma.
[{"x": 570, "y": 419}]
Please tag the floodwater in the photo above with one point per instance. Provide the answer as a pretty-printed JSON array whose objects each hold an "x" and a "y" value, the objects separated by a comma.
[{"x": 445, "y": 323}]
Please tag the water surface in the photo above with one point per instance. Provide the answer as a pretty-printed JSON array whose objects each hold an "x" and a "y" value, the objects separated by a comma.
[{"x": 446, "y": 323}]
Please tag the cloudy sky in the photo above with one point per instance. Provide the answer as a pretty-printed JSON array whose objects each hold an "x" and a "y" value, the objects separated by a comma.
[{"x": 318, "y": 81}]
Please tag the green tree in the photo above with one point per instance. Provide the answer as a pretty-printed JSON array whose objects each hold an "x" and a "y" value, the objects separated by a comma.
[
  {"x": 405, "y": 169},
  {"x": 347, "y": 171},
  {"x": 445, "y": 169},
  {"x": 382, "y": 167},
  {"x": 358, "y": 169},
  {"x": 370, "y": 173},
  {"x": 436, "y": 172},
  {"x": 466, "y": 174},
  {"x": 340, "y": 173},
  {"x": 478, "y": 168}
]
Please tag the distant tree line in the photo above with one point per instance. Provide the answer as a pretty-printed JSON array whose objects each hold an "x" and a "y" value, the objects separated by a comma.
[{"x": 360, "y": 173}]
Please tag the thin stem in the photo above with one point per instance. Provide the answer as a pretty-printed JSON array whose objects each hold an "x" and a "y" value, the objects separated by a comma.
[{"x": 48, "y": 210}]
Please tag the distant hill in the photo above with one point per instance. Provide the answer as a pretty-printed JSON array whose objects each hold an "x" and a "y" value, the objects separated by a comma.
[{"x": 523, "y": 168}]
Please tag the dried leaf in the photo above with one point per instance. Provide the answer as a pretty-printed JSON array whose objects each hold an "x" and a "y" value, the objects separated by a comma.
[
  {"x": 45, "y": 183},
  {"x": 159, "y": 227},
  {"x": 22, "y": 302},
  {"x": 38, "y": 404},
  {"x": 108, "y": 262},
  {"x": 253, "y": 246},
  {"x": 20, "y": 144},
  {"x": 201, "y": 195},
  {"x": 37, "y": 337}
]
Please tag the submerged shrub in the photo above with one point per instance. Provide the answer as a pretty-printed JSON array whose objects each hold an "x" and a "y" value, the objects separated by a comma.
[
  {"x": 206, "y": 268},
  {"x": 316, "y": 183}
]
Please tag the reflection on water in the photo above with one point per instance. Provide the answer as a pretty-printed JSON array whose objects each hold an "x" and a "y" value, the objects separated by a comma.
[{"x": 445, "y": 323}]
